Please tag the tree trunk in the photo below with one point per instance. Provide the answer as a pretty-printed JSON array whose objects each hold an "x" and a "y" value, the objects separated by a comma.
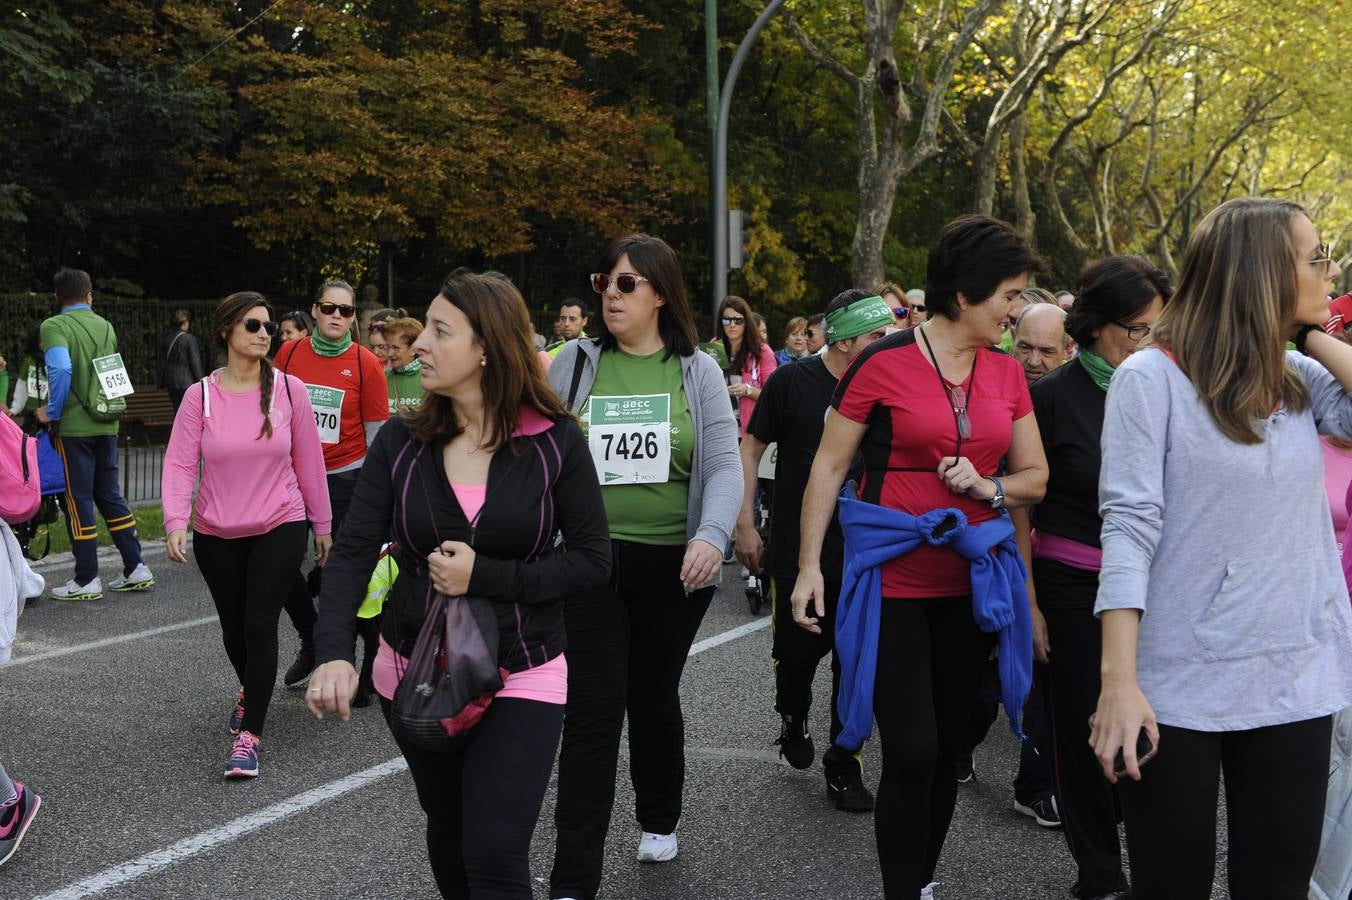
[
  {"x": 984, "y": 167},
  {"x": 1025, "y": 219},
  {"x": 876, "y": 201}
]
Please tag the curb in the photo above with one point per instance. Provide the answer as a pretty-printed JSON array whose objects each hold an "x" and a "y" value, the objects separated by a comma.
[{"x": 59, "y": 560}]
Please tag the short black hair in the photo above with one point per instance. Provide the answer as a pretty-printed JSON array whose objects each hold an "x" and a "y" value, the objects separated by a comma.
[
  {"x": 816, "y": 319},
  {"x": 1113, "y": 290},
  {"x": 971, "y": 256},
  {"x": 71, "y": 284},
  {"x": 575, "y": 301},
  {"x": 844, "y": 299}
]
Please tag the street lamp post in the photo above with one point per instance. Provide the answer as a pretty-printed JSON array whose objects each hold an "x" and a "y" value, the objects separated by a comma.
[{"x": 719, "y": 203}]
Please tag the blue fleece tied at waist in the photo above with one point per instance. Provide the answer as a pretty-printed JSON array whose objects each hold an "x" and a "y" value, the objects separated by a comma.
[{"x": 875, "y": 535}]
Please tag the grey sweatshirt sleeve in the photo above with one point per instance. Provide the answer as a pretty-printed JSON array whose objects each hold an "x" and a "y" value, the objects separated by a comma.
[
  {"x": 1331, "y": 405},
  {"x": 719, "y": 460},
  {"x": 1131, "y": 482}
]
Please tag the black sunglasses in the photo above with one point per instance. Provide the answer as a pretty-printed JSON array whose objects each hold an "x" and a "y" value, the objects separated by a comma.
[
  {"x": 345, "y": 310},
  {"x": 734, "y": 320},
  {"x": 252, "y": 326},
  {"x": 625, "y": 282}
]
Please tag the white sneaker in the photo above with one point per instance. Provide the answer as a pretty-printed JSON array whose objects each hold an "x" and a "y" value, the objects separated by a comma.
[
  {"x": 927, "y": 892},
  {"x": 656, "y": 848},
  {"x": 72, "y": 591},
  {"x": 140, "y": 579}
]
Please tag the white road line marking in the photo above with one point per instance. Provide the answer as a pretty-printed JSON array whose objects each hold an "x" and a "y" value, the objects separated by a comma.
[
  {"x": 105, "y": 642},
  {"x": 200, "y": 843},
  {"x": 731, "y": 635},
  {"x": 207, "y": 840}
]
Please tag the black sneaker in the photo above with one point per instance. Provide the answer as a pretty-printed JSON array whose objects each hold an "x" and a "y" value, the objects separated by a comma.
[
  {"x": 847, "y": 792},
  {"x": 1042, "y": 810},
  {"x": 795, "y": 743},
  {"x": 302, "y": 668},
  {"x": 966, "y": 771}
]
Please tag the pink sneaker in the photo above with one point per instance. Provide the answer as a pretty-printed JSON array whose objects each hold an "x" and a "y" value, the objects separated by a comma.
[
  {"x": 15, "y": 819},
  {"x": 243, "y": 762}
]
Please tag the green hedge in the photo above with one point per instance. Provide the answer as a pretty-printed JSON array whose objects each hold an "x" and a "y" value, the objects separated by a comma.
[{"x": 140, "y": 324}]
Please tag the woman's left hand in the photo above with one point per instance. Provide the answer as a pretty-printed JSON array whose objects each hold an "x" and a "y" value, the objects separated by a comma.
[
  {"x": 739, "y": 390},
  {"x": 702, "y": 560},
  {"x": 450, "y": 567},
  {"x": 961, "y": 477},
  {"x": 323, "y": 544}
]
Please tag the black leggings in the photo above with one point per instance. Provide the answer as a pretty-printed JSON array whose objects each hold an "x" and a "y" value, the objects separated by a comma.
[
  {"x": 1275, "y": 782},
  {"x": 930, "y": 659},
  {"x": 627, "y": 647},
  {"x": 797, "y": 651},
  {"x": 248, "y": 579},
  {"x": 482, "y": 800}
]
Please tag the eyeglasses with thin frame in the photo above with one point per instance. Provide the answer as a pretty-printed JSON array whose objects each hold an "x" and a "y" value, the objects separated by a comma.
[
  {"x": 345, "y": 310},
  {"x": 253, "y": 325},
  {"x": 734, "y": 320},
  {"x": 1325, "y": 257},
  {"x": 625, "y": 282},
  {"x": 958, "y": 396},
  {"x": 1135, "y": 333}
]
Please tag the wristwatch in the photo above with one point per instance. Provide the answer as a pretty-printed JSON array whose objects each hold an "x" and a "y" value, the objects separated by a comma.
[{"x": 999, "y": 499}]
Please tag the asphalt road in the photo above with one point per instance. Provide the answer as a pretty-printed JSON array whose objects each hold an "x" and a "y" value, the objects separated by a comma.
[{"x": 125, "y": 742}]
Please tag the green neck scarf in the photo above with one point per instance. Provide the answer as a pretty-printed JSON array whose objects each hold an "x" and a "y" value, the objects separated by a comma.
[
  {"x": 409, "y": 369},
  {"x": 325, "y": 347},
  {"x": 1097, "y": 367}
]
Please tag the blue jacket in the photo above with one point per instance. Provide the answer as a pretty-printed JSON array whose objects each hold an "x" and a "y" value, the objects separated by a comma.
[{"x": 875, "y": 535}]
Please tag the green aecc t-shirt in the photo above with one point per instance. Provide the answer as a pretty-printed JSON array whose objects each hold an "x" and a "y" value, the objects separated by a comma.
[
  {"x": 644, "y": 513},
  {"x": 86, "y": 335}
]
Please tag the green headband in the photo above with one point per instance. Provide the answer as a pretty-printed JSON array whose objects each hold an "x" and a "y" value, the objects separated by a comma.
[{"x": 860, "y": 317}]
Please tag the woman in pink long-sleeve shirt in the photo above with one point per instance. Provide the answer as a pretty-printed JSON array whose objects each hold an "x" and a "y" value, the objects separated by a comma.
[{"x": 262, "y": 488}]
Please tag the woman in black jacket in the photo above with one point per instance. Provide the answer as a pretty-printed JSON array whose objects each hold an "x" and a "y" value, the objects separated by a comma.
[{"x": 474, "y": 485}]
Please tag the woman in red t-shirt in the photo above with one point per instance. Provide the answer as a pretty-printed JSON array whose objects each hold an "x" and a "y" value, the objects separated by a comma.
[{"x": 937, "y": 414}]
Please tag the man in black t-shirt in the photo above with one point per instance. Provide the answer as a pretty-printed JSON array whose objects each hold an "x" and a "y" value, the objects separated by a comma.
[{"x": 791, "y": 413}]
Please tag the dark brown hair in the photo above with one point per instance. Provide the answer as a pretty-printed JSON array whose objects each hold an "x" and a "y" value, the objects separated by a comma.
[
  {"x": 654, "y": 259},
  {"x": 512, "y": 375},
  {"x": 228, "y": 314},
  {"x": 751, "y": 339},
  {"x": 971, "y": 256}
]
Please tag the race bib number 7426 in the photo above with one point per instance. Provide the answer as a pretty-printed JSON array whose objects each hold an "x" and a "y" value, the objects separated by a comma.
[{"x": 630, "y": 438}]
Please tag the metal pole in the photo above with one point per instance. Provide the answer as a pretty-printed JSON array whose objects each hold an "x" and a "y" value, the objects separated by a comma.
[
  {"x": 720, "y": 166},
  {"x": 711, "y": 100}
]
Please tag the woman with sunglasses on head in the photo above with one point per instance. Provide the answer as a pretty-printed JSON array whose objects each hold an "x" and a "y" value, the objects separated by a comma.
[
  {"x": 349, "y": 395},
  {"x": 664, "y": 444},
  {"x": 1227, "y": 634},
  {"x": 293, "y": 326},
  {"x": 752, "y": 359},
  {"x": 252, "y": 432},
  {"x": 1120, "y": 299},
  {"x": 931, "y": 565},
  {"x": 474, "y": 485}
]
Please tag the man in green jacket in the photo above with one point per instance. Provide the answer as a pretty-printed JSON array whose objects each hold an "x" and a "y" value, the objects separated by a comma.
[{"x": 87, "y": 381}]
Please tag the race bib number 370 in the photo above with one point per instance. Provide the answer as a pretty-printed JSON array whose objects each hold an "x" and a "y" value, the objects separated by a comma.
[
  {"x": 328, "y": 406},
  {"x": 630, "y": 438}
]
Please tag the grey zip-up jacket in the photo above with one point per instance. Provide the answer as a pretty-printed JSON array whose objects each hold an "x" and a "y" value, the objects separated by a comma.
[{"x": 716, "y": 470}]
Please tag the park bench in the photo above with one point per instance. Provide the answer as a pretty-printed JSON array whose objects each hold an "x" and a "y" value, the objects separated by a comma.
[{"x": 149, "y": 413}]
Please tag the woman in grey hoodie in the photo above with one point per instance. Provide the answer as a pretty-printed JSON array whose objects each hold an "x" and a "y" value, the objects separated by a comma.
[
  {"x": 1227, "y": 634},
  {"x": 664, "y": 442}
]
